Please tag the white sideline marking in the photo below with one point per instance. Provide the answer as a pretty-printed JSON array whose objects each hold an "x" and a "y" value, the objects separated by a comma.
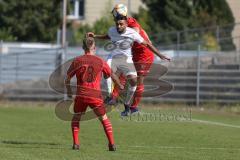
[
  {"x": 177, "y": 147},
  {"x": 201, "y": 121},
  {"x": 216, "y": 123}
]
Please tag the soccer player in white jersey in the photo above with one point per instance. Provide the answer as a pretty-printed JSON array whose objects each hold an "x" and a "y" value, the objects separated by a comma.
[{"x": 120, "y": 59}]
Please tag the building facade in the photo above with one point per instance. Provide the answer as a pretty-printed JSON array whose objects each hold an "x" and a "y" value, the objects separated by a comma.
[
  {"x": 235, "y": 7},
  {"x": 95, "y": 9}
]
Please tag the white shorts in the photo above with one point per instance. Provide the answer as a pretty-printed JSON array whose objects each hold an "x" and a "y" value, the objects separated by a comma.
[{"x": 122, "y": 64}]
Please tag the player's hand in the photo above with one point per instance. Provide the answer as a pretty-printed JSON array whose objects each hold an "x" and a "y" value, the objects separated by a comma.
[
  {"x": 69, "y": 93},
  {"x": 165, "y": 58},
  {"x": 69, "y": 96},
  {"x": 73, "y": 97},
  {"x": 90, "y": 34},
  {"x": 121, "y": 87}
]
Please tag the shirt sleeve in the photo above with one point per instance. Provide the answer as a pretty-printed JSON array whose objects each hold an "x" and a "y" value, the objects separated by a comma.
[
  {"x": 132, "y": 23},
  {"x": 106, "y": 70},
  {"x": 71, "y": 70},
  {"x": 137, "y": 37}
]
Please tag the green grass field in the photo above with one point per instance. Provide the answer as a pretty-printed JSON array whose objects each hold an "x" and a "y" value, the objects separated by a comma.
[{"x": 31, "y": 131}]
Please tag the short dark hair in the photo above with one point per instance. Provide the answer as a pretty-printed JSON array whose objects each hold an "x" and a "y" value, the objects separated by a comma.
[
  {"x": 88, "y": 43},
  {"x": 120, "y": 17}
]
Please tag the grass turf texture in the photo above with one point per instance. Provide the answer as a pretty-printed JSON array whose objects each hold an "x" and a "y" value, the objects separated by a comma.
[{"x": 32, "y": 131}]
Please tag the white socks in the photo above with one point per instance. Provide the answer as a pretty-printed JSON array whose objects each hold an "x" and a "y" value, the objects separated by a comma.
[
  {"x": 130, "y": 93},
  {"x": 109, "y": 84}
]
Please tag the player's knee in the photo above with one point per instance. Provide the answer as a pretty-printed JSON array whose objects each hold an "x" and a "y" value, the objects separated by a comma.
[
  {"x": 102, "y": 118},
  {"x": 132, "y": 80},
  {"x": 76, "y": 117}
]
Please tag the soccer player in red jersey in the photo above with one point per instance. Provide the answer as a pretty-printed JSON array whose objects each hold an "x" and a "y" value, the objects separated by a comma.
[
  {"x": 143, "y": 58},
  {"x": 88, "y": 70}
]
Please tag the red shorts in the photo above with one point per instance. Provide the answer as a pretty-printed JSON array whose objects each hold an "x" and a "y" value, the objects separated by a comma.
[
  {"x": 143, "y": 62},
  {"x": 80, "y": 106}
]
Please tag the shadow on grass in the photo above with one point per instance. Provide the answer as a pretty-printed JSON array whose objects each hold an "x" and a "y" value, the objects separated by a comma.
[{"x": 29, "y": 144}]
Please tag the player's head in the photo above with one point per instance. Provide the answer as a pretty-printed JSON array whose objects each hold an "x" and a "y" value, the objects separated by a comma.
[
  {"x": 121, "y": 24},
  {"x": 89, "y": 44},
  {"x": 119, "y": 10}
]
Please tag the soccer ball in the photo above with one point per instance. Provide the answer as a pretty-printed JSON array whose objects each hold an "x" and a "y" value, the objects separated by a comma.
[{"x": 119, "y": 10}]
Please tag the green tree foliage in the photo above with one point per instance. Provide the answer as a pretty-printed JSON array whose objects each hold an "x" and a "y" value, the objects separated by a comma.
[
  {"x": 171, "y": 14},
  {"x": 217, "y": 9},
  {"x": 101, "y": 26},
  {"x": 26, "y": 20},
  {"x": 5, "y": 34},
  {"x": 176, "y": 15},
  {"x": 215, "y": 12}
]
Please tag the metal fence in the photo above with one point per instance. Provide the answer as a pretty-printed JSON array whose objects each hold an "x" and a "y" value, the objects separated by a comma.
[
  {"x": 195, "y": 35},
  {"x": 27, "y": 65},
  {"x": 206, "y": 76},
  {"x": 199, "y": 74}
]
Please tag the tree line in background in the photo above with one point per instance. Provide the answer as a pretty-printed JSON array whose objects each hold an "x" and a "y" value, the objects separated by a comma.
[
  {"x": 182, "y": 15},
  {"x": 29, "y": 21},
  {"x": 39, "y": 20}
]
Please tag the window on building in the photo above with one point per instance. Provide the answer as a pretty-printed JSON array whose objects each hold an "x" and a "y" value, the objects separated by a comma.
[
  {"x": 81, "y": 9},
  {"x": 76, "y": 9}
]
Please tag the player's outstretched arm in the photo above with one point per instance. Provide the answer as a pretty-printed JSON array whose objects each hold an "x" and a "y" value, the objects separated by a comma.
[
  {"x": 155, "y": 50},
  {"x": 147, "y": 37},
  {"x": 68, "y": 87},
  {"x": 91, "y": 34}
]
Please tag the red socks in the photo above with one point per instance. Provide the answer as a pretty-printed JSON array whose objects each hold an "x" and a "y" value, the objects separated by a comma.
[
  {"x": 116, "y": 89},
  {"x": 75, "y": 131},
  {"x": 138, "y": 95},
  {"x": 108, "y": 130},
  {"x": 106, "y": 125}
]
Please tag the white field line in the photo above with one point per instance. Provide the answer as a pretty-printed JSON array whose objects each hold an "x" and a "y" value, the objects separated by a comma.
[
  {"x": 178, "y": 147},
  {"x": 196, "y": 120},
  {"x": 192, "y": 120},
  {"x": 216, "y": 123}
]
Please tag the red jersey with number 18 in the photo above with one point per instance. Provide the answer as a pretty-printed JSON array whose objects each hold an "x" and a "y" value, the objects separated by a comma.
[{"x": 88, "y": 70}]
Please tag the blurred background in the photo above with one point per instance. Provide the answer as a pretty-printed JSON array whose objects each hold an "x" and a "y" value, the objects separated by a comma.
[{"x": 201, "y": 36}]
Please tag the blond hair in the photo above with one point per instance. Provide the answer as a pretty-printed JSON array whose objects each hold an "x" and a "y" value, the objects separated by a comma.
[{"x": 88, "y": 43}]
